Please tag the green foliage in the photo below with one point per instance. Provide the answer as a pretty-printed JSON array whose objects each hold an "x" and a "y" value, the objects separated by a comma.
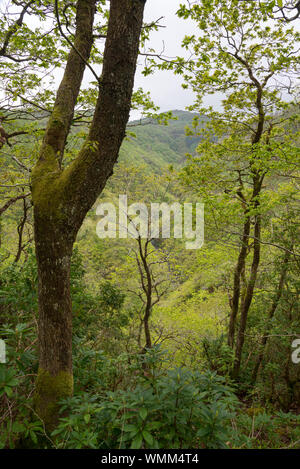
[
  {"x": 8, "y": 381},
  {"x": 164, "y": 410},
  {"x": 124, "y": 398},
  {"x": 159, "y": 145},
  {"x": 16, "y": 383},
  {"x": 218, "y": 354},
  {"x": 261, "y": 430},
  {"x": 23, "y": 279},
  {"x": 168, "y": 409}
]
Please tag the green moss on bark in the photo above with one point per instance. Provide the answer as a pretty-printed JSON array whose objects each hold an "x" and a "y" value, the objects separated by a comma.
[
  {"x": 47, "y": 190},
  {"x": 49, "y": 390}
]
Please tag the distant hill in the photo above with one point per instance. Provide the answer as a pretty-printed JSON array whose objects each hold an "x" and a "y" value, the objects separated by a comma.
[{"x": 160, "y": 145}]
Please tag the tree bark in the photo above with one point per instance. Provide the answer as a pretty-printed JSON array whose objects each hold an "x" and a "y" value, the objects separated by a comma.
[
  {"x": 271, "y": 313},
  {"x": 147, "y": 286},
  {"x": 62, "y": 197},
  {"x": 55, "y": 379},
  {"x": 53, "y": 238},
  {"x": 249, "y": 294},
  {"x": 257, "y": 178},
  {"x": 237, "y": 281}
]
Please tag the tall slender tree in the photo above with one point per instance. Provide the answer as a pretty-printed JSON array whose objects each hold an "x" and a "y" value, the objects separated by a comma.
[{"x": 252, "y": 62}]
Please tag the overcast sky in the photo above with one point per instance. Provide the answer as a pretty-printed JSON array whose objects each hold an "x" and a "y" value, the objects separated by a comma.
[{"x": 165, "y": 87}]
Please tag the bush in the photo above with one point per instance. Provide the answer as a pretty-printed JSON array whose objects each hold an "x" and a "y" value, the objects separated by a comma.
[{"x": 172, "y": 409}]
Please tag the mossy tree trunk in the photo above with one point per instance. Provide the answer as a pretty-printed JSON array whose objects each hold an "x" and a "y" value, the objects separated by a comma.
[
  {"x": 55, "y": 378},
  {"x": 62, "y": 197}
]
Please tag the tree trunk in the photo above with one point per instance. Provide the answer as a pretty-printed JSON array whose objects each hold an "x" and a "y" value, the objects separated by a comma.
[
  {"x": 63, "y": 197},
  {"x": 147, "y": 328},
  {"x": 55, "y": 378},
  {"x": 147, "y": 287},
  {"x": 237, "y": 281},
  {"x": 270, "y": 316},
  {"x": 248, "y": 298}
]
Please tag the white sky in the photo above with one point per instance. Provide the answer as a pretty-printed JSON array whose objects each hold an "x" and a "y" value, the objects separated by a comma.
[{"x": 165, "y": 87}]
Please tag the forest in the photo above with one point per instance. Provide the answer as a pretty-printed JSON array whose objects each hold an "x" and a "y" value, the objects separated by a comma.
[{"x": 117, "y": 333}]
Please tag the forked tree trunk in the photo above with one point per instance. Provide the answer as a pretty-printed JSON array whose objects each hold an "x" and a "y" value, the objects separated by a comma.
[
  {"x": 247, "y": 300},
  {"x": 237, "y": 280},
  {"x": 63, "y": 197}
]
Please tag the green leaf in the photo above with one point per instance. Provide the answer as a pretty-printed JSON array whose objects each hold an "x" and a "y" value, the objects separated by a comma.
[
  {"x": 130, "y": 428},
  {"x": 137, "y": 442},
  {"x": 202, "y": 432},
  {"x": 17, "y": 427},
  {"x": 33, "y": 437},
  {"x": 143, "y": 413},
  {"x": 148, "y": 437},
  {"x": 154, "y": 425},
  {"x": 8, "y": 391}
]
